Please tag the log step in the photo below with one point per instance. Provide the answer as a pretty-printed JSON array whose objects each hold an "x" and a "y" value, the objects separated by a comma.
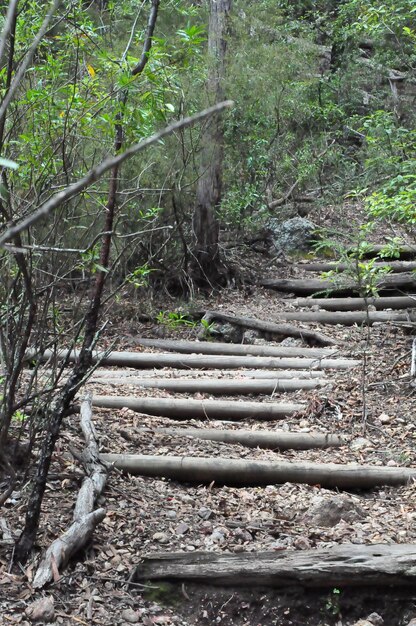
[
  {"x": 245, "y": 472},
  {"x": 238, "y": 375},
  {"x": 216, "y": 386},
  {"x": 394, "y": 266},
  {"x": 202, "y": 409},
  {"x": 211, "y": 347},
  {"x": 267, "y": 439},
  {"x": 358, "y": 304},
  {"x": 349, "y": 318},
  {"x": 347, "y": 287},
  {"x": 338, "y": 566},
  {"x": 188, "y": 361}
]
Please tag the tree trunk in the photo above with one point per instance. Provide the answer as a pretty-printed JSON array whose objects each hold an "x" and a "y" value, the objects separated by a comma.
[
  {"x": 206, "y": 264},
  {"x": 358, "y": 304}
]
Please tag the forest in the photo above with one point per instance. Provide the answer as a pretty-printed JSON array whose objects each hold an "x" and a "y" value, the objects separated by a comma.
[{"x": 202, "y": 201}]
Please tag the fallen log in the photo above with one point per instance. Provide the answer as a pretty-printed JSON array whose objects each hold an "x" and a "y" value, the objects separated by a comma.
[
  {"x": 109, "y": 375},
  {"x": 218, "y": 387},
  {"x": 210, "y": 347},
  {"x": 394, "y": 266},
  {"x": 244, "y": 472},
  {"x": 349, "y": 318},
  {"x": 85, "y": 519},
  {"x": 280, "y": 330},
  {"x": 308, "y": 286},
  {"x": 202, "y": 409},
  {"x": 338, "y": 566},
  {"x": 189, "y": 361},
  {"x": 269, "y": 440},
  {"x": 358, "y": 304}
]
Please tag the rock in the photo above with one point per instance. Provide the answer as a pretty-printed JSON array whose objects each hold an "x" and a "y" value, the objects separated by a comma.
[
  {"x": 294, "y": 234},
  {"x": 130, "y": 616},
  {"x": 182, "y": 528},
  {"x": 227, "y": 333},
  {"x": 161, "y": 537},
  {"x": 412, "y": 622},
  {"x": 360, "y": 443},
  {"x": 291, "y": 341},
  {"x": 42, "y": 610},
  {"x": 251, "y": 336},
  {"x": 328, "y": 512},
  {"x": 205, "y": 513},
  {"x": 372, "y": 620}
]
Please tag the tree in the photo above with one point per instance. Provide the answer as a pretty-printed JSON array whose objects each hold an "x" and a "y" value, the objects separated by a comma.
[{"x": 207, "y": 266}]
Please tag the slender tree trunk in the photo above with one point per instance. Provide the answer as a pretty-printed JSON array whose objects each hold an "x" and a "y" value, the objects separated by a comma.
[{"x": 206, "y": 259}]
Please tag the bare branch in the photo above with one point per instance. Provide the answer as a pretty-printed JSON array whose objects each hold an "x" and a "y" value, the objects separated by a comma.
[
  {"x": 95, "y": 173},
  {"x": 11, "y": 11}
]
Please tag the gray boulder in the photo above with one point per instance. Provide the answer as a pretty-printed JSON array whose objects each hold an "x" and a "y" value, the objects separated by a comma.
[{"x": 294, "y": 234}]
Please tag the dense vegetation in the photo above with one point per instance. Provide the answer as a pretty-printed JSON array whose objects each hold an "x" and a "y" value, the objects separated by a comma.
[{"x": 323, "y": 109}]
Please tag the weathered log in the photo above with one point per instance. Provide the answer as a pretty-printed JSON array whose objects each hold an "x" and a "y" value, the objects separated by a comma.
[
  {"x": 267, "y": 439},
  {"x": 394, "y": 266},
  {"x": 349, "y": 318},
  {"x": 347, "y": 565},
  {"x": 188, "y": 361},
  {"x": 280, "y": 330},
  {"x": 211, "y": 347},
  {"x": 404, "y": 252},
  {"x": 308, "y": 286},
  {"x": 218, "y": 387},
  {"x": 110, "y": 375},
  {"x": 85, "y": 519},
  {"x": 245, "y": 472},
  {"x": 202, "y": 409},
  {"x": 358, "y": 304}
]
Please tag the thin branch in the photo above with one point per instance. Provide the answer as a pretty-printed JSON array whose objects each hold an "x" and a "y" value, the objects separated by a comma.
[
  {"x": 95, "y": 173},
  {"x": 8, "y": 24}
]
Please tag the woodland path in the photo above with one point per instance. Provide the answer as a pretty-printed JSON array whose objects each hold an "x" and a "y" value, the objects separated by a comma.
[{"x": 318, "y": 459}]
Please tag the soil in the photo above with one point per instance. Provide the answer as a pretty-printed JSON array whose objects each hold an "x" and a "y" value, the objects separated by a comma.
[{"x": 372, "y": 405}]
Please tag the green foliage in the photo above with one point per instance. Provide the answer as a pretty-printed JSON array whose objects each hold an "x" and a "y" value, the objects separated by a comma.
[
  {"x": 139, "y": 277},
  {"x": 174, "y": 319}
]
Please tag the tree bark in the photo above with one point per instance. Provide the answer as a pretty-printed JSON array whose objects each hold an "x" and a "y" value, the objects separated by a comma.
[
  {"x": 245, "y": 472},
  {"x": 206, "y": 264},
  {"x": 338, "y": 566}
]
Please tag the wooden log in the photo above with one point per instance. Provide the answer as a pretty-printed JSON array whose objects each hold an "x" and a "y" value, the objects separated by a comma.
[
  {"x": 85, "y": 519},
  {"x": 349, "y": 318},
  {"x": 358, "y": 304},
  {"x": 218, "y": 387},
  {"x": 394, "y": 266},
  {"x": 404, "y": 251},
  {"x": 245, "y": 472},
  {"x": 348, "y": 565},
  {"x": 202, "y": 409},
  {"x": 308, "y": 286},
  {"x": 280, "y": 330},
  {"x": 211, "y": 347},
  {"x": 269, "y": 440},
  {"x": 109, "y": 375},
  {"x": 189, "y": 361}
]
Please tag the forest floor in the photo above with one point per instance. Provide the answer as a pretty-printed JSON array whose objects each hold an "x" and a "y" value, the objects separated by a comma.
[{"x": 372, "y": 406}]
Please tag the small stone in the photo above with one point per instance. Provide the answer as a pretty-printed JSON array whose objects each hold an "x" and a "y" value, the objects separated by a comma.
[
  {"x": 329, "y": 511},
  {"x": 205, "y": 513},
  {"x": 375, "y": 619},
  {"x": 42, "y": 610},
  {"x": 161, "y": 537},
  {"x": 171, "y": 514},
  {"x": 385, "y": 419},
  {"x": 130, "y": 616},
  {"x": 182, "y": 528},
  {"x": 391, "y": 463},
  {"x": 360, "y": 443}
]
